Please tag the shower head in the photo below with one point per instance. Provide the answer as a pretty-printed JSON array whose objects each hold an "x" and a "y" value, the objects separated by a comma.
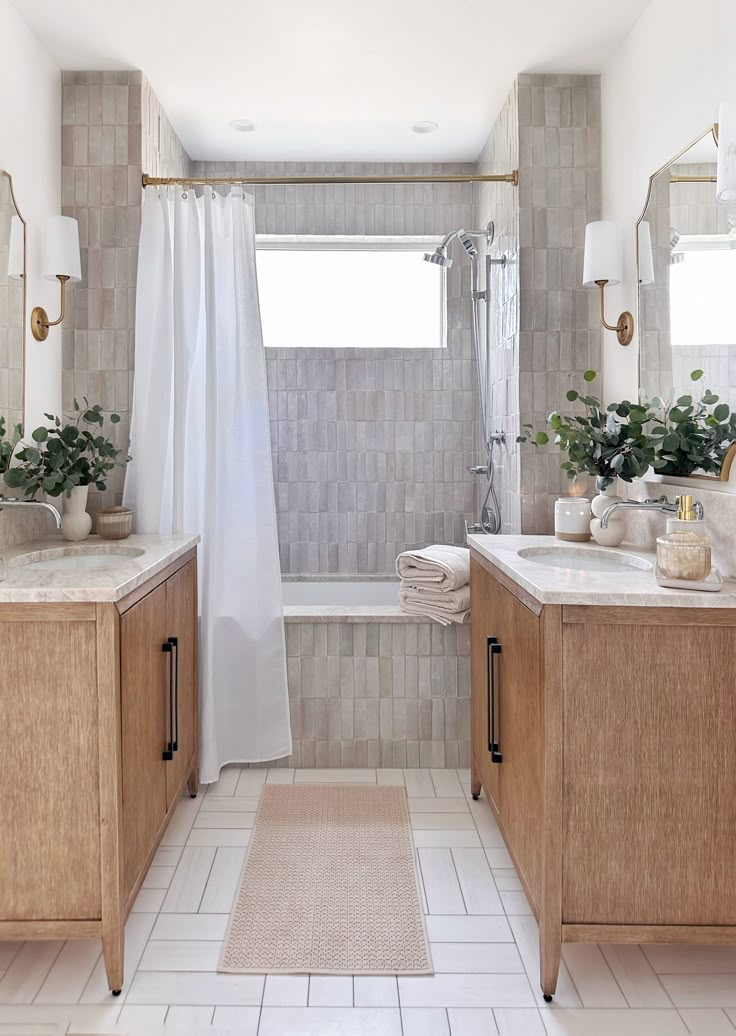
[
  {"x": 467, "y": 242},
  {"x": 439, "y": 257}
]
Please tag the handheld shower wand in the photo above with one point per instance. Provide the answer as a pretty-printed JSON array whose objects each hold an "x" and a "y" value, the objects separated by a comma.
[{"x": 490, "y": 514}]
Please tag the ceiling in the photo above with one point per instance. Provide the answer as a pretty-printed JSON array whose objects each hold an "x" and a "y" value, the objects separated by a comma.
[{"x": 332, "y": 80}]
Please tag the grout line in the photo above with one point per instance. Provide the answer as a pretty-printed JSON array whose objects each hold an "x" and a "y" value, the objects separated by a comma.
[
  {"x": 209, "y": 875},
  {"x": 459, "y": 883}
]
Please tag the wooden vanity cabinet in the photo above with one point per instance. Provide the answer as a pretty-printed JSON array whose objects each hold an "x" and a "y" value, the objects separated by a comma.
[
  {"x": 614, "y": 773},
  {"x": 98, "y": 738}
]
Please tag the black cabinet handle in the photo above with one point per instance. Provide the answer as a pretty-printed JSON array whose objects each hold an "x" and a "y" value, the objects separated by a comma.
[
  {"x": 493, "y": 648},
  {"x": 174, "y": 641},
  {"x": 168, "y": 753}
]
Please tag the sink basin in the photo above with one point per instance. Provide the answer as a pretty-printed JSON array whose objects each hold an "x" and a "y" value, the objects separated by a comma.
[
  {"x": 584, "y": 559},
  {"x": 76, "y": 559}
]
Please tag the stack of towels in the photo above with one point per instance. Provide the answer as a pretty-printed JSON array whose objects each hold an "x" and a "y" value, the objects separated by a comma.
[{"x": 435, "y": 582}]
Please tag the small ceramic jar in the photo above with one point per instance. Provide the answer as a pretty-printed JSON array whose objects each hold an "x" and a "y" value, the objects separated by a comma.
[
  {"x": 572, "y": 518},
  {"x": 114, "y": 523}
]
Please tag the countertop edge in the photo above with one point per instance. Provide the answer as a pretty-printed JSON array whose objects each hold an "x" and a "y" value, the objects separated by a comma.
[
  {"x": 657, "y": 597},
  {"x": 93, "y": 594}
]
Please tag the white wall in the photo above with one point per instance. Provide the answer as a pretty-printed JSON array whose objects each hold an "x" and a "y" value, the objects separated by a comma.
[
  {"x": 659, "y": 91},
  {"x": 30, "y": 150}
]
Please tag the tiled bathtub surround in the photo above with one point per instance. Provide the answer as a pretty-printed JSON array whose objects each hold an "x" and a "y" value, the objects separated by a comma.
[
  {"x": 393, "y": 694},
  {"x": 370, "y": 446}
]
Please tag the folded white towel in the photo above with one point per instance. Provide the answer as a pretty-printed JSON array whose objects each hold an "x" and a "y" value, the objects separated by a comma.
[
  {"x": 444, "y": 606},
  {"x": 440, "y": 567}
]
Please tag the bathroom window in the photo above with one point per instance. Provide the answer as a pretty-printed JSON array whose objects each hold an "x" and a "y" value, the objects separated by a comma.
[{"x": 350, "y": 292}]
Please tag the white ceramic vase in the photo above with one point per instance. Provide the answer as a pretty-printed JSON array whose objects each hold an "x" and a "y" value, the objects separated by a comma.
[
  {"x": 76, "y": 524},
  {"x": 614, "y": 534}
]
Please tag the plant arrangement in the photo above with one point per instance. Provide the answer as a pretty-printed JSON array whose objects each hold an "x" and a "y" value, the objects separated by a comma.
[
  {"x": 691, "y": 433},
  {"x": 605, "y": 441},
  {"x": 7, "y": 446},
  {"x": 67, "y": 455}
]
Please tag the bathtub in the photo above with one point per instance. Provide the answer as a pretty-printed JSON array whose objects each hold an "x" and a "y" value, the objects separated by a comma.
[
  {"x": 368, "y": 685},
  {"x": 350, "y": 596}
]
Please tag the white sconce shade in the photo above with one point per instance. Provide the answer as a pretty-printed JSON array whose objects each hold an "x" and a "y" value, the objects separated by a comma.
[
  {"x": 16, "y": 250},
  {"x": 602, "y": 260},
  {"x": 646, "y": 257},
  {"x": 726, "y": 175},
  {"x": 62, "y": 249}
]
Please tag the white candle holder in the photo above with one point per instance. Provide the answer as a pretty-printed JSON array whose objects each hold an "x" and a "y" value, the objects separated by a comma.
[{"x": 572, "y": 518}]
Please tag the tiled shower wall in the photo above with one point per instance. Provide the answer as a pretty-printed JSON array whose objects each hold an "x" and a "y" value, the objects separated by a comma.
[
  {"x": 544, "y": 330},
  {"x": 559, "y": 192},
  {"x": 500, "y": 203},
  {"x": 112, "y": 128},
  {"x": 379, "y": 694},
  {"x": 370, "y": 446}
]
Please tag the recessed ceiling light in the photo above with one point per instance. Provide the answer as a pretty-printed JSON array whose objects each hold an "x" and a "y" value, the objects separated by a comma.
[
  {"x": 425, "y": 127},
  {"x": 243, "y": 125}
]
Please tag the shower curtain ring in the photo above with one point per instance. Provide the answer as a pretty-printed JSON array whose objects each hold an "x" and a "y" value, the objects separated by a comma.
[{"x": 184, "y": 194}]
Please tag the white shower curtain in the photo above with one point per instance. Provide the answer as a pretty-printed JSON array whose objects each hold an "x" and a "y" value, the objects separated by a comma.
[{"x": 202, "y": 458}]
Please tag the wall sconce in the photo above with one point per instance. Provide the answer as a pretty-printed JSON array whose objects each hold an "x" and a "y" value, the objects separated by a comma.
[
  {"x": 646, "y": 256},
  {"x": 726, "y": 172},
  {"x": 62, "y": 263},
  {"x": 602, "y": 266}
]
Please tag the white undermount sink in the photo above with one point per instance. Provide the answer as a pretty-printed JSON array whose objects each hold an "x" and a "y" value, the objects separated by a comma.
[
  {"x": 80, "y": 559},
  {"x": 584, "y": 559}
]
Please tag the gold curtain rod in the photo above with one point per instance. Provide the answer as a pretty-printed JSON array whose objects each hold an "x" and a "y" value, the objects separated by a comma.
[
  {"x": 216, "y": 181},
  {"x": 693, "y": 179}
]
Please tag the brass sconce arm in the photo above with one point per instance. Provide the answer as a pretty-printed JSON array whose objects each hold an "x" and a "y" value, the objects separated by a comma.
[
  {"x": 40, "y": 322},
  {"x": 625, "y": 327}
]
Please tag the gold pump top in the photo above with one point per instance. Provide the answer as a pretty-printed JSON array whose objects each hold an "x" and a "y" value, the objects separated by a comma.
[{"x": 685, "y": 509}]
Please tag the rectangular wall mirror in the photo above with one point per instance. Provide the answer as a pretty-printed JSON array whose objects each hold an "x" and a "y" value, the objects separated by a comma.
[{"x": 12, "y": 305}]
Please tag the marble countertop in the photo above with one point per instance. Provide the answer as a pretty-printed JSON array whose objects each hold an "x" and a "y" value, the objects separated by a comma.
[
  {"x": 31, "y": 583},
  {"x": 631, "y": 587}
]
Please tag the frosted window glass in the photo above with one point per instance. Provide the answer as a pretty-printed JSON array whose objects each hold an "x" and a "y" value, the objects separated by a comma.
[
  {"x": 350, "y": 298},
  {"x": 702, "y": 289}
]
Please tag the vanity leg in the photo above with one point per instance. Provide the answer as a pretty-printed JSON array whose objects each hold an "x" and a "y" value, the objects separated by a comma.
[
  {"x": 550, "y": 952},
  {"x": 193, "y": 782},
  {"x": 113, "y": 945},
  {"x": 474, "y": 780}
]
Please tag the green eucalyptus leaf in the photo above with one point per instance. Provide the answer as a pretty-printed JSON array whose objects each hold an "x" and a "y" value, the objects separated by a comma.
[
  {"x": 572, "y": 395},
  {"x": 15, "y": 478},
  {"x": 696, "y": 375},
  {"x": 722, "y": 412},
  {"x": 589, "y": 376}
]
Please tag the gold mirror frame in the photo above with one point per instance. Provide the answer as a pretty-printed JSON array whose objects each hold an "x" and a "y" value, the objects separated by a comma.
[
  {"x": 712, "y": 130},
  {"x": 5, "y": 173}
]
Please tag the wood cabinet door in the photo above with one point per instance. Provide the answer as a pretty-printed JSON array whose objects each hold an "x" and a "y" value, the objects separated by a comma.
[
  {"x": 518, "y": 705},
  {"x": 144, "y": 692},
  {"x": 484, "y": 624},
  {"x": 649, "y": 770},
  {"x": 181, "y": 625}
]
